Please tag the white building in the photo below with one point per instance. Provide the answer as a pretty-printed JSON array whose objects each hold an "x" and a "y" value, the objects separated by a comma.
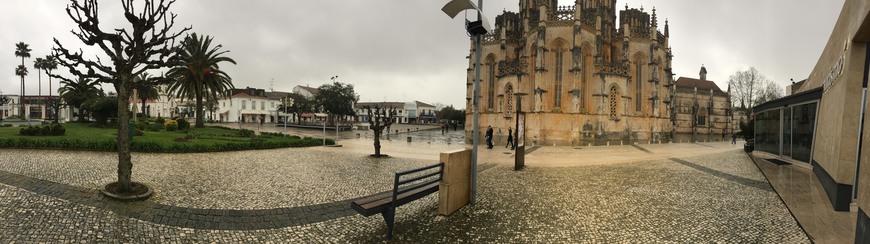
[
  {"x": 410, "y": 112},
  {"x": 248, "y": 105},
  {"x": 165, "y": 105},
  {"x": 306, "y": 91},
  {"x": 34, "y": 108}
]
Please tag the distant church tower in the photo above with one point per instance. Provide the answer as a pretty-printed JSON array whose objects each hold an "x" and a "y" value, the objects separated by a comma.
[{"x": 703, "y": 73}]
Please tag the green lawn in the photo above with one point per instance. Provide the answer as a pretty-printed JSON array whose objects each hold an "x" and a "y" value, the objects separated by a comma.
[{"x": 83, "y": 137}]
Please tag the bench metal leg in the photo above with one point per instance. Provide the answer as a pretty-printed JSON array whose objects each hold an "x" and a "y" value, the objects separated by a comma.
[{"x": 389, "y": 216}]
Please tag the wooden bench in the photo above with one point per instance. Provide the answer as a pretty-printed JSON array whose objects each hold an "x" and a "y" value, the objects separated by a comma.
[{"x": 408, "y": 186}]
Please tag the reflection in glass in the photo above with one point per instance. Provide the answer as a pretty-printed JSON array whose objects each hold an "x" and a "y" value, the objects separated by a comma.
[{"x": 804, "y": 122}]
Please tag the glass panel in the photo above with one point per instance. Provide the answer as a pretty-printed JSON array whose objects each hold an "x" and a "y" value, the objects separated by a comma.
[
  {"x": 786, "y": 132},
  {"x": 767, "y": 129},
  {"x": 804, "y": 122}
]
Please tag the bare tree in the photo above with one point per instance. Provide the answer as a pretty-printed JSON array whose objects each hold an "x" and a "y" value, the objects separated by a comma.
[
  {"x": 148, "y": 44},
  {"x": 770, "y": 91},
  {"x": 746, "y": 87},
  {"x": 380, "y": 117}
]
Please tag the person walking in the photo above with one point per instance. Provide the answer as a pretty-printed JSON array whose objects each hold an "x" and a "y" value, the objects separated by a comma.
[
  {"x": 510, "y": 138},
  {"x": 733, "y": 139},
  {"x": 489, "y": 137}
]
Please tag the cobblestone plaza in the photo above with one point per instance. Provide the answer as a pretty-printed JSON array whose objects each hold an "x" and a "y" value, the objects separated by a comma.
[{"x": 302, "y": 195}]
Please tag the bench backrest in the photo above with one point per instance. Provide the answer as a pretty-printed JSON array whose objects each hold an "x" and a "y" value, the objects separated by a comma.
[{"x": 428, "y": 175}]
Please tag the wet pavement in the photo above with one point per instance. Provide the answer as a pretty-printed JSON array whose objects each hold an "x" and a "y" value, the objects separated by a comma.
[{"x": 682, "y": 193}]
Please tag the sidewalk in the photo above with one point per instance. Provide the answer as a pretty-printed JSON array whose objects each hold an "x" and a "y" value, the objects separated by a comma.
[{"x": 803, "y": 194}]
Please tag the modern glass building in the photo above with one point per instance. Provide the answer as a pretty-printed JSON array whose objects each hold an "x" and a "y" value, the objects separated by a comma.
[{"x": 786, "y": 126}]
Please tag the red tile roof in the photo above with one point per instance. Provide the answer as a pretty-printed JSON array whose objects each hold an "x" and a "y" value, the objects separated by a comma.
[{"x": 702, "y": 85}]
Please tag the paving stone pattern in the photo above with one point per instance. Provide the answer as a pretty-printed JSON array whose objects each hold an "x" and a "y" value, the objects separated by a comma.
[{"x": 48, "y": 196}]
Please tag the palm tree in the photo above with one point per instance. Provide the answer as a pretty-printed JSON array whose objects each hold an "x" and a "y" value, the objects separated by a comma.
[
  {"x": 146, "y": 88},
  {"x": 198, "y": 75},
  {"x": 22, "y": 50},
  {"x": 39, "y": 65},
  {"x": 21, "y": 70},
  {"x": 50, "y": 65},
  {"x": 76, "y": 93}
]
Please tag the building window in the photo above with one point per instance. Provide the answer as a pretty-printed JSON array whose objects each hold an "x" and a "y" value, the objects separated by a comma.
[
  {"x": 638, "y": 85},
  {"x": 614, "y": 96},
  {"x": 223, "y": 104},
  {"x": 253, "y": 105},
  {"x": 509, "y": 93},
  {"x": 262, "y": 105},
  {"x": 557, "y": 90},
  {"x": 244, "y": 104},
  {"x": 491, "y": 77},
  {"x": 702, "y": 120},
  {"x": 585, "y": 80},
  {"x": 273, "y": 104}
]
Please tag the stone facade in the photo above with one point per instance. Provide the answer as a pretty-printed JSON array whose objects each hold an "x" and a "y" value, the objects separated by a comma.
[
  {"x": 703, "y": 111},
  {"x": 590, "y": 80}
]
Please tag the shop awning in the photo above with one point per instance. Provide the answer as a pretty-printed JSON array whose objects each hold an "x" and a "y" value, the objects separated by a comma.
[
  {"x": 320, "y": 114},
  {"x": 254, "y": 112},
  {"x": 307, "y": 115}
]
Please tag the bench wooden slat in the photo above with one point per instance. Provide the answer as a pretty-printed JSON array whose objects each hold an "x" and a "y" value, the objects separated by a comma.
[
  {"x": 386, "y": 203},
  {"x": 377, "y": 203}
]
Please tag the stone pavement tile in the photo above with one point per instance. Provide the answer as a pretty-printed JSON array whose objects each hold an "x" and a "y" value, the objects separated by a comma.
[
  {"x": 710, "y": 198},
  {"x": 261, "y": 179}
]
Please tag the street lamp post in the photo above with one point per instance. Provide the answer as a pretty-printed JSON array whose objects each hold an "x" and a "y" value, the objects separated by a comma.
[
  {"x": 336, "y": 119},
  {"x": 476, "y": 29}
]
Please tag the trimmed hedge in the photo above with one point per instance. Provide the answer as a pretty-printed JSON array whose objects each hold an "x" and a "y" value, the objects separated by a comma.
[
  {"x": 139, "y": 146},
  {"x": 43, "y": 130}
]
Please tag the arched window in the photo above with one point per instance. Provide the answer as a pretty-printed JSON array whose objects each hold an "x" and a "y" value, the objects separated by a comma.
[
  {"x": 557, "y": 89},
  {"x": 490, "y": 64},
  {"x": 614, "y": 101},
  {"x": 586, "y": 66},
  {"x": 638, "y": 84},
  {"x": 509, "y": 96}
]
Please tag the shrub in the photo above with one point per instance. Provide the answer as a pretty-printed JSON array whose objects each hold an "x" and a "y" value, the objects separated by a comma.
[
  {"x": 246, "y": 133},
  {"x": 183, "y": 124},
  {"x": 57, "y": 130},
  {"x": 171, "y": 125},
  {"x": 43, "y": 130},
  {"x": 181, "y": 139},
  {"x": 155, "y": 127},
  {"x": 160, "y": 120},
  {"x": 138, "y": 132},
  {"x": 141, "y": 125}
]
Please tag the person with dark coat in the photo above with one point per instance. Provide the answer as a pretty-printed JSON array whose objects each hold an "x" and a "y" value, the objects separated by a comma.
[
  {"x": 510, "y": 138},
  {"x": 733, "y": 139},
  {"x": 489, "y": 137}
]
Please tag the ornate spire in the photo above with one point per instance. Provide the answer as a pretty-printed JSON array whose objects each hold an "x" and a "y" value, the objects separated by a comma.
[{"x": 655, "y": 21}]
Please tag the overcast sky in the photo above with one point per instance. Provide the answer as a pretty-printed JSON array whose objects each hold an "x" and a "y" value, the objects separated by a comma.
[{"x": 404, "y": 50}]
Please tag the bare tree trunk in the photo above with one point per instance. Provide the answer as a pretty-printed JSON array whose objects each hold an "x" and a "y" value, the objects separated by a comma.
[
  {"x": 378, "y": 143},
  {"x": 125, "y": 165}
]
